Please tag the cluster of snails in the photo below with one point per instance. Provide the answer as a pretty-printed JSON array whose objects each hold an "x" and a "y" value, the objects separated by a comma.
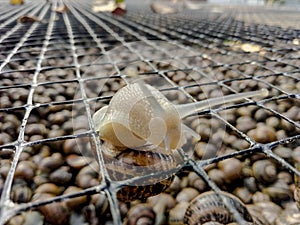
[
  {"x": 188, "y": 205},
  {"x": 205, "y": 208},
  {"x": 141, "y": 131}
]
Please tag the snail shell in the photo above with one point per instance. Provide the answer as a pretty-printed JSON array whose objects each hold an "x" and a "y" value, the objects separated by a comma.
[
  {"x": 289, "y": 216},
  {"x": 208, "y": 207},
  {"x": 28, "y": 19},
  {"x": 132, "y": 163},
  {"x": 279, "y": 191},
  {"x": 264, "y": 171},
  {"x": 141, "y": 214},
  {"x": 264, "y": 213},
  {"x": 176, "y": 214}
]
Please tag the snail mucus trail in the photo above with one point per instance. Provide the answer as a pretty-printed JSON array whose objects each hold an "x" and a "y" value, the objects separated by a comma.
[{"x": 141, "y": 131}]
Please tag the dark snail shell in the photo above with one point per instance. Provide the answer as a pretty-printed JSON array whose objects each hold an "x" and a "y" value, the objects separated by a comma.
[
  {"x": 208, "y": 207},
  {"x": 137, "y": 164}
]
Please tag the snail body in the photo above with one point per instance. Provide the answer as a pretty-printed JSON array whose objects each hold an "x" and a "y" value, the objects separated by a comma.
[{"x": 140, "y": 115}]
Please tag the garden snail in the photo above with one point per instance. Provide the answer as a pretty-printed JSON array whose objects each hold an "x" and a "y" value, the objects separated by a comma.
[
  {"x": 264, "y": 171},
  {"x": 141, "y": 214},
  {"x": 208, "y": 207},
  {"x": 141, "y": 130},
  {"x": 140, "y": 115}
]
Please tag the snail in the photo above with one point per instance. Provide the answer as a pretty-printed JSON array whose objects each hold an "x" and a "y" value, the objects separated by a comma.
[
  {"x": 208, "y": 207},
  {"x": 176, "y": 214},
  {"x": 265, "y": 212},
  {"x": 141, "y": 214},
  {"x": 187, "y": 194},
  {"x": 264, "y": 171},
  {"x": 161, "y": 204},
  {"x": 139, "y": 115},
  {"x": 289, "y": 216},
  {"x": 28, "y": 19},
  {"x": 140, "y": 132},
  {"x": 278, "y": 191}
]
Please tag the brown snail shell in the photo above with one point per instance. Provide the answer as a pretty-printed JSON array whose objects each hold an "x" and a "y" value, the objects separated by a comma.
[
  {"x": 141, "y": 214},
  {"x": 243, "y": 193},
  {"x": 264, "y": 213},
  {"x": 289, "y": 216},
  {"x": 176, "y": 214},
  {"x": 279, "y": 191},
  {"x": 208, "y": 207},
  {"x": 133, "y": 164},
  {"x": 28, "y": 19},
  {"x": 141, "y": 132},
  {"x": 54, "y": 213},
  {"x": 187, "y": 194},
  {"x": 25, "y": 169},
  {"x": 264, "y": 171},
  {"x": 77, "y": 202},
  {"x": 161, "y": 203},
  {"x": 21, "y": 194},
  {"x": 88, "y": 175},
  {"x": 232, "y": 169},
  {"x": 196, "y": 182}
]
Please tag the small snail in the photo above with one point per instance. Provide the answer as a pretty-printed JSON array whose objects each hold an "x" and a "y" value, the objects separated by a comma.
[
  {"x": 208, "y": 207},
  {"x": 141, "y": 214},
  {"x": 141, "y": 130},
  {"x": 264, "y": 171},
  {"x": 28, "y": 19}
]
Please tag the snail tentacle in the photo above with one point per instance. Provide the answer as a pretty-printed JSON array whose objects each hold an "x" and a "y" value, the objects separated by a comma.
[{"x": 194, "y": 107}]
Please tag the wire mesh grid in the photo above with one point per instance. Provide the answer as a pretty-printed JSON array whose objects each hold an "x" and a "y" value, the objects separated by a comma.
[{"x": 57, "y": 70}]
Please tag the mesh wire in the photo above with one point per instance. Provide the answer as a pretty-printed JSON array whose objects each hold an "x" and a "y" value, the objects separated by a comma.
[{"x": 49, "y": 67}]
